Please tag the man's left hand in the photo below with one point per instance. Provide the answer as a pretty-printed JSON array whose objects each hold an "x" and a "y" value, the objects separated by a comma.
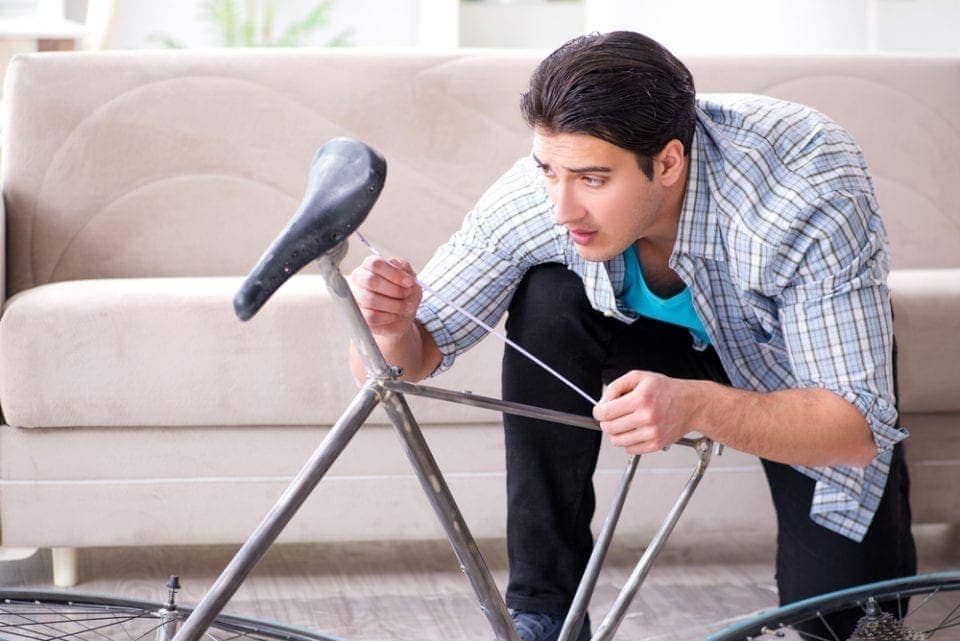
[{"x": 644, "y": 411}]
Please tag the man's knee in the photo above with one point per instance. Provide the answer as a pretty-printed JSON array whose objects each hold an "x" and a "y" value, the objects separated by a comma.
[{"x": 548, "y": 293}]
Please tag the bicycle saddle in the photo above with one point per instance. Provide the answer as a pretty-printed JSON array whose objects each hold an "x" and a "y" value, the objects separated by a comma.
[{"x": 345, "y": 180}]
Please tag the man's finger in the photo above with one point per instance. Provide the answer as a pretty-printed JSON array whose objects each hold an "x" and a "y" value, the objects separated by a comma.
[
  {"x": 371, "y": 301},
  {"x": 642, "y": 449},
  {"x": 617, "y": 387},
  {"x": 403, "y": 265},
  {"x": 630, "y": 438},
  {"x": 622, "y": 425},
  {"x": 380, "y": 285},
  {"x": 623, "y": 385},
  {"x": 615, "y": 408},
  {"x": 391, "y": 272},
  {"x": 377, "y": 318}
]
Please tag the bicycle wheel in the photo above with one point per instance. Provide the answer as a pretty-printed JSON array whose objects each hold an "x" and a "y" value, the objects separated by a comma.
[
  {"x": 47, "y": 615},
  {"x": 882, "y": 613}
]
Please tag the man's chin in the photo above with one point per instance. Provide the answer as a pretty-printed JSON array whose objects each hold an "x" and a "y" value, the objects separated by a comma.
[{"x": 594, "y": 254}]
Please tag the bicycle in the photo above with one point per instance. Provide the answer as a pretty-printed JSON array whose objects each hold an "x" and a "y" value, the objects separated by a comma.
[{"x": 345, "y": 180}]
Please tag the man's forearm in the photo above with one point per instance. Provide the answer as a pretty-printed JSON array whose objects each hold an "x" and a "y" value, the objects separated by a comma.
[
  {"x": 405, "y": 351},
  {"x": 811, "y": 427}
]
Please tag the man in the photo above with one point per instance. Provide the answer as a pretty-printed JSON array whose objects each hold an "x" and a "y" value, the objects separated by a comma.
[{"x": 721, "y": 265}]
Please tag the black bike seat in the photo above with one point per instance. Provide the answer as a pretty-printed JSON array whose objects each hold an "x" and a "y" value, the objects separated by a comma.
[{"x": 345, "y": 180}]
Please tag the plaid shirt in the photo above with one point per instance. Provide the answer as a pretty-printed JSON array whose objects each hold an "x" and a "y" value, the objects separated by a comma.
[{"x": 781, "y": 245}]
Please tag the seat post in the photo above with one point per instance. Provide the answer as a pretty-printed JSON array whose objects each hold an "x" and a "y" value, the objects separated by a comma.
[{"x": 373, "y": 360}]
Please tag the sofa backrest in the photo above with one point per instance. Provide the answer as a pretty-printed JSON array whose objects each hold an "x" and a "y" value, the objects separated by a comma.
[{"x": 159, "y": 163}]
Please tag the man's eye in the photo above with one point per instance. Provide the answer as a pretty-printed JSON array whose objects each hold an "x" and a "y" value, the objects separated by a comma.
[
  {"x": 546, "y": 171},
  {"x": 593, "y": 181}
]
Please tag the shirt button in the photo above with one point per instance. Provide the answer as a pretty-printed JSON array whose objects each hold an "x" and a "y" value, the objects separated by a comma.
[{"x": 608, "y": 313}]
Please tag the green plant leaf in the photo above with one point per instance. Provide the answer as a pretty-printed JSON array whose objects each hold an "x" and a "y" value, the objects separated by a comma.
[
  {"x": 342, "y": 39},
  {"x": 166, "y": 40},
  {"x": 225, "y": 15},
  {"x": 266, "y": 27},
  {"x": 318, "y": 18},
  {"x": 238, "y": 24},
  {"x": 249, "y": 24}
]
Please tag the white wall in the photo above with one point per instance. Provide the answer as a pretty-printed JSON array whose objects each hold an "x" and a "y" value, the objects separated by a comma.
[
  {"x": 919, "y": 25},
  {"x": 373, "y": 22},
  {"x": 747, "y": 25},
  {"x": 540, "y": 25},
  {"x": 684, "y": 26},
  {"x": 738, "y": 26}
]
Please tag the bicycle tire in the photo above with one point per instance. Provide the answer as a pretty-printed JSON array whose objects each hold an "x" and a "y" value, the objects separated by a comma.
[
  {"x": 48, "y": 615},
  {"x": 776, "y": 623}
]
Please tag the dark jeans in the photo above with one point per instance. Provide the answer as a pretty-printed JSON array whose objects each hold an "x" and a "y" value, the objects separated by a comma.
[{"x": 550, "y": 467}]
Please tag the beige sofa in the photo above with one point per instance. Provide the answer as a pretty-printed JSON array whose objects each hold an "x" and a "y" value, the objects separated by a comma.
[{"x": 139, "y": 187}]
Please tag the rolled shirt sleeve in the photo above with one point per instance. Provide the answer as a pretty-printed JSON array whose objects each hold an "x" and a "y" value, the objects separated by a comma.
[
  {"x": 835, "y": 315},
  {"x": 509, "y": 230}
]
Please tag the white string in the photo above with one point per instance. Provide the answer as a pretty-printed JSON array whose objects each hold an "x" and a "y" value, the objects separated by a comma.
[{"x": 493, "y": 331}]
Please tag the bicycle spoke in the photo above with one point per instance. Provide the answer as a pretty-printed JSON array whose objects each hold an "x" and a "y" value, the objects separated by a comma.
[
  {"x": 922, "y": 620},
  {"x": 211, "y": 635},
  {"x": 33, "y": 625},
  {"x": 152, "y": 629},
  {"x": 88, "y": 629},
  {"x": 27, "y": 615},
  {"x": 122, "y": 627},
  {"x": 30, "y": 627},
  {"x": 927, "y": 598},
  {"x": 827, "y": 626},
  {"x": 33, "y": 622},
  {"x": 52, "y": 621},
  {"x": 19, "y": 632},
  {"x": 36, "y": 634},
  {"x": 945, "y": 622},
  {"x": 811, "y": 635},
  {"x": 49, "y": 610},
  {"x": 236, "y": 636},
  {"x": 945, "y": 627},
  {"x": 952, "y": 620}
]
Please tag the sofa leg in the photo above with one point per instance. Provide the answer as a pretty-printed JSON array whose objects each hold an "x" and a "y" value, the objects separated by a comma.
[{"x": 64, "y": 567}]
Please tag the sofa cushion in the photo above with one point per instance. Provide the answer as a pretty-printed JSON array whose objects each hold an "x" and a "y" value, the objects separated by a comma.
[
  {"x": 926, "y": 307},
  {"x": 169, "y": 352}
]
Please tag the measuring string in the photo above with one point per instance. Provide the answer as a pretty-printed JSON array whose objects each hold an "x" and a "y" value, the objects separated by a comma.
[{"x": 432, "y": 292}]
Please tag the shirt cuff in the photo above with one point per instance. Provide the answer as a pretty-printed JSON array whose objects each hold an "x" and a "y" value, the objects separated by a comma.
[
  {"x": 428, "y": 317},
  {"x": 844, "y": 492},
  {"x": 881, "y": 417}
]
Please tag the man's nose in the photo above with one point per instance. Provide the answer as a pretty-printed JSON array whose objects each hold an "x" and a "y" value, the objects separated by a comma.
[{"x": 566, "y": 207}]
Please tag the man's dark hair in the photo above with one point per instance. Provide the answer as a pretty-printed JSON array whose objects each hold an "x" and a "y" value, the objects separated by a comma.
[{"x": 621, "y": 87}]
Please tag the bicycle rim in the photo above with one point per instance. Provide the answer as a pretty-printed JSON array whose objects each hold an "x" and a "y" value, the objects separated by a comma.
[
  {"x": 915, "y": 608},
  {"x": 47, "y": 615}
]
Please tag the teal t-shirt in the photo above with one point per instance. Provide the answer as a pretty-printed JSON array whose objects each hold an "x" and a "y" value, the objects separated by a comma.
[{"x": 676, "y": 310}]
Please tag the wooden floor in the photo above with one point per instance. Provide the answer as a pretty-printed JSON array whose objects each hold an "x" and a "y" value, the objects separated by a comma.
[{"x": 414, "y": 591}]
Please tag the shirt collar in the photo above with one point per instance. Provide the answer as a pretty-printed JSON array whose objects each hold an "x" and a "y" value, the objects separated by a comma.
[{"x": 698, "y": 231}]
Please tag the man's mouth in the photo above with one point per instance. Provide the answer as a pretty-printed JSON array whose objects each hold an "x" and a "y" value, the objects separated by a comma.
[{"x": 582, "y": 236}]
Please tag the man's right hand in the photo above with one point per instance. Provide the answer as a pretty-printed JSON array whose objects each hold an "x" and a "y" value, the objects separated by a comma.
[{"x": 387, "y": 294}]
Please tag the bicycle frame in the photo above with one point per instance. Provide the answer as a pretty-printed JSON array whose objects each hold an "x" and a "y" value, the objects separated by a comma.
[{"x": 383, "y": 386}]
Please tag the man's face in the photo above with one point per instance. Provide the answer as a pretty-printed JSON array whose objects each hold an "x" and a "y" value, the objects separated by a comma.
[{"x": 599, "y": 192}]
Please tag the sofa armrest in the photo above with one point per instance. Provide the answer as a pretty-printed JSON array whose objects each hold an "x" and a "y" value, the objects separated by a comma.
[
  {"x": 926, "y": 307},
  {"x": 3, "y": 250}
]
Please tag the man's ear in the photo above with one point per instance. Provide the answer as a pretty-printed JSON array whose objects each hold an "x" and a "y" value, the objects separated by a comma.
[{"x": 668, "y": 164}]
